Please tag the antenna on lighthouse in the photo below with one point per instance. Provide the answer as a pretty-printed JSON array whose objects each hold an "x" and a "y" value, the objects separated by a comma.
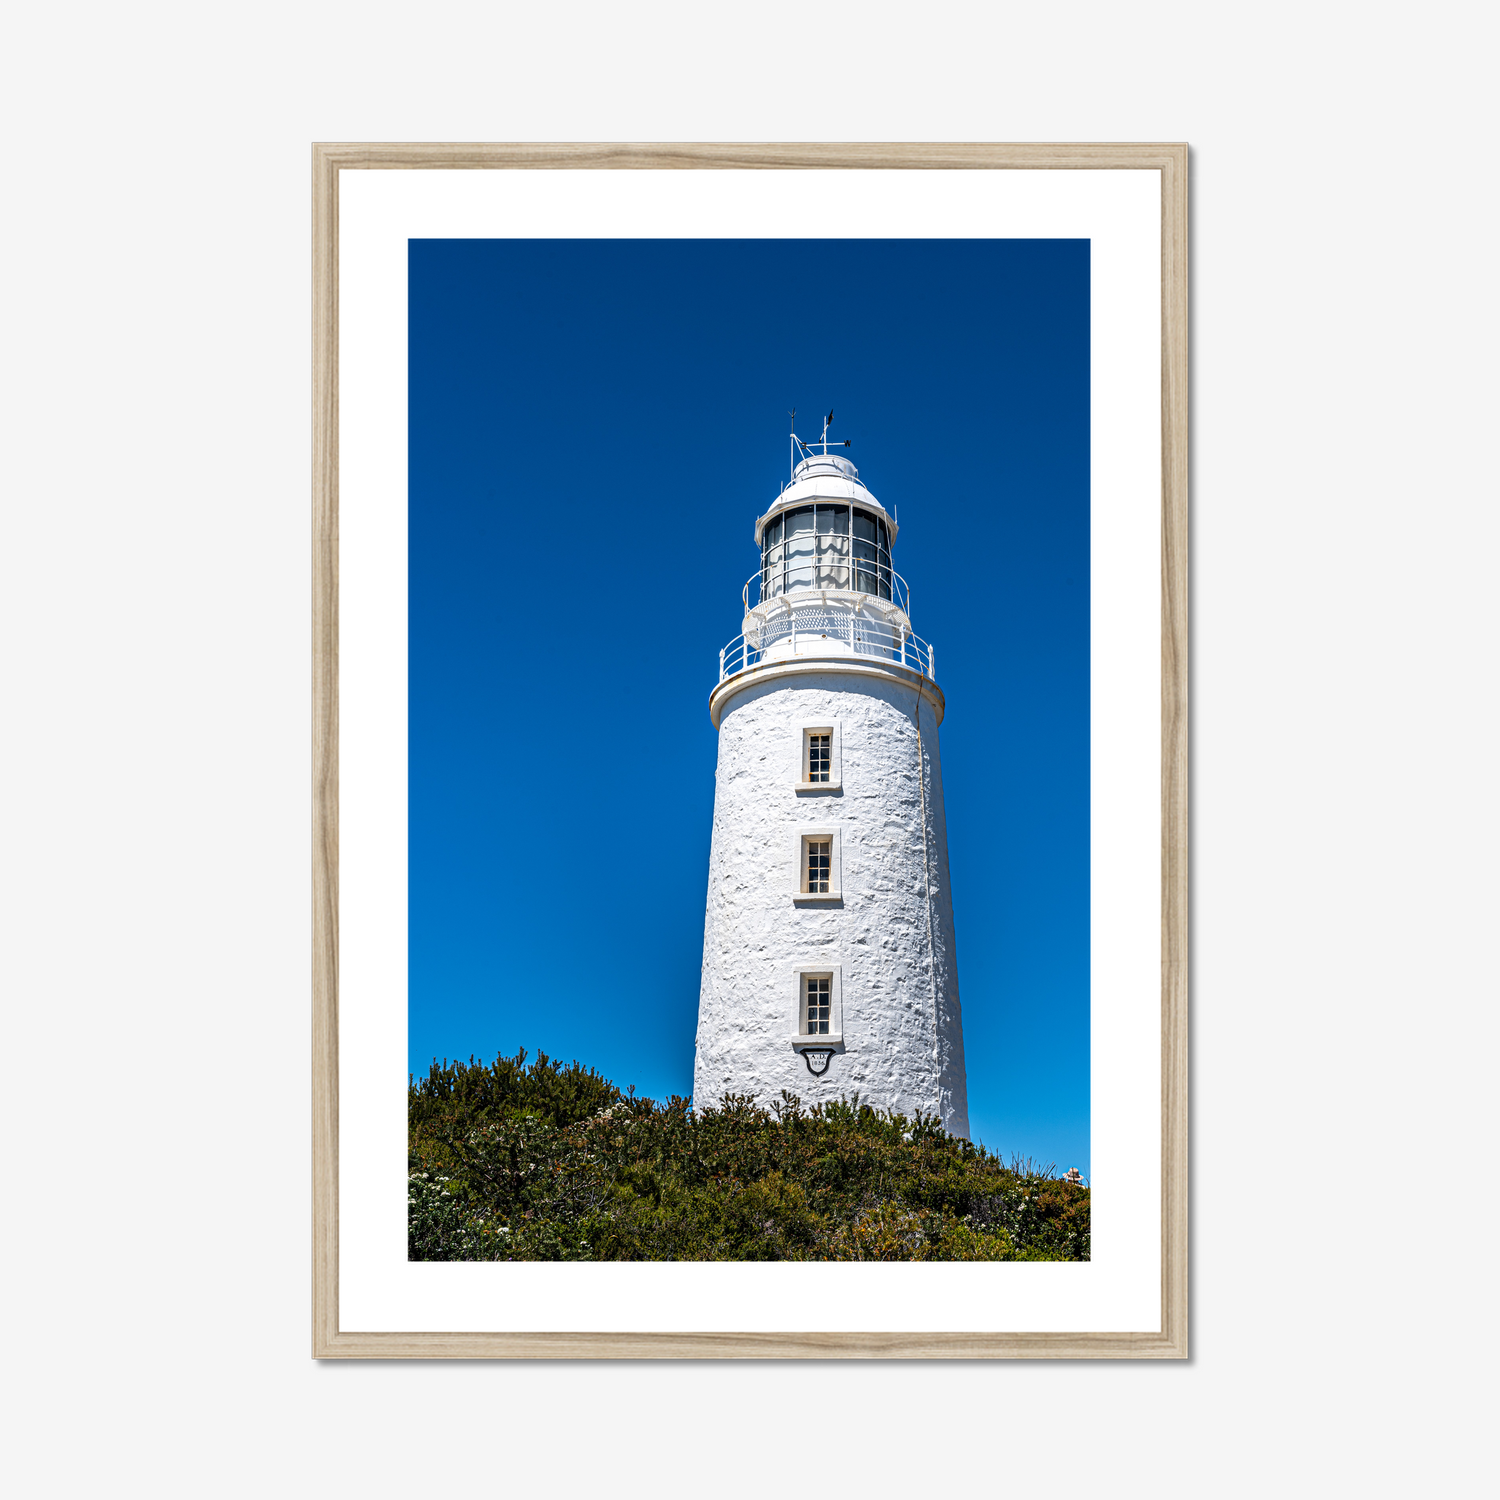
[
  {"x": 807, "y": 448},
  {"x": 791, "y": 471}
]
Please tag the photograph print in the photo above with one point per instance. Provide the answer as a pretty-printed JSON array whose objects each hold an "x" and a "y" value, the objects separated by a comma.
[{"x": 714, "y": 953}]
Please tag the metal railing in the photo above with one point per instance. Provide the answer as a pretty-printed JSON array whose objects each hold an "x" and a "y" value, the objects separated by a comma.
[
  {"x": 834, "y": 574},
  {"x": 862, "y": 635}
]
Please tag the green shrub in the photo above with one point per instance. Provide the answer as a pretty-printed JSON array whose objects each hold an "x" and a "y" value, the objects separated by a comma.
[{"x": 542, "y": 1162}]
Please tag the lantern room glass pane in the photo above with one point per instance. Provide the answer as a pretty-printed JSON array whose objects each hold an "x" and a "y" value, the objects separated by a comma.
[
  {"x": 773, "y": 579},
  {"x": 825, "y": 547},
  {"x": 833, "y": 546},
  {"x": 773, "y": 559},
  {"x": 800, "y": 536},
  {"x": 869, "y": 574}
]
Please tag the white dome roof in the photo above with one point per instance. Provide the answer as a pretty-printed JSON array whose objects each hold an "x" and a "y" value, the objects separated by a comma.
[{"x": 825, "y": 463}]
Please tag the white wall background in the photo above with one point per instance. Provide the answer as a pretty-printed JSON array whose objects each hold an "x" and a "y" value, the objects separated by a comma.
[{"x": 155, "y": 596}]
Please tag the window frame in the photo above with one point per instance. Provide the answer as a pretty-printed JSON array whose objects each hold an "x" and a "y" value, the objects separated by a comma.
[
  {"x": 834, "y": 1037},
  {"x": 835, "y": 781},
  {"x": 800, "y": 838}
]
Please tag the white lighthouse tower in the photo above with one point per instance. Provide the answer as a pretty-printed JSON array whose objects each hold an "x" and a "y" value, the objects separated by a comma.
[{"x": 828, "y": 949}]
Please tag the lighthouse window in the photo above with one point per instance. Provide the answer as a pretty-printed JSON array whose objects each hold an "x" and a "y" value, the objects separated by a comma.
[
  {"x": 819, "y": 1005},
  {"x": 819, "y": 866},
  {"x": 819, "y": 756},
  {"x": 817, "y": 872}
]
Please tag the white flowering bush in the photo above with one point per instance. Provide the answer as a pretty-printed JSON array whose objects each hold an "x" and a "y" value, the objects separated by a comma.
[{"x": 443, "y": 1224}]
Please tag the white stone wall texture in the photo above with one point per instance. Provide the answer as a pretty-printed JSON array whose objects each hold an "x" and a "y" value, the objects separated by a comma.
[{"x": 891, "y": 935}]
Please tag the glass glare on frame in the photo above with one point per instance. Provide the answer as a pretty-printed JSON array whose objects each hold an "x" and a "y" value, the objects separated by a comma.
[
  {"x": 819, "y": 1006},
  {"x": 819, "y": 756},
  {"x": 819, "y": 864}
]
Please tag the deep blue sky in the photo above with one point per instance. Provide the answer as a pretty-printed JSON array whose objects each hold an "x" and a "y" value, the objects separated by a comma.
[{"x": 595, "y": 425}]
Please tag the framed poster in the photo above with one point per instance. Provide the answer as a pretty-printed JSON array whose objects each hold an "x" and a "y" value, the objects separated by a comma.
[{"x": 538, "y": 372}]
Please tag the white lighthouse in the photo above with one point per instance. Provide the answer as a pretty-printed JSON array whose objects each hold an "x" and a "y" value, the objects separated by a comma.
[{"x": 828, "y": 948}]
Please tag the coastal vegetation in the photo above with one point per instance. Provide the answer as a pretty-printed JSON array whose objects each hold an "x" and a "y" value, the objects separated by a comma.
[{"x": 518, "y": 1160}]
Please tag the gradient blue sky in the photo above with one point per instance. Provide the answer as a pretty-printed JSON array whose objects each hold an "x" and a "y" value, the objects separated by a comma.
[{"x": 595, "y": 425}]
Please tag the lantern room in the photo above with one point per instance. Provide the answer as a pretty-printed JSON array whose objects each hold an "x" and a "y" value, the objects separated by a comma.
[
  {"x": 826, "y": 531},
  {"x": 825, "y": 587}
]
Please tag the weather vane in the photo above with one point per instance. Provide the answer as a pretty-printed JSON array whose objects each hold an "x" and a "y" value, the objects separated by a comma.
[{"x": 807, "y": 448}]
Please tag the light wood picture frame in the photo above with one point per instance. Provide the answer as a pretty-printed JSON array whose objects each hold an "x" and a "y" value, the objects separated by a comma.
[{"x": 1170, "y": 1339}]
